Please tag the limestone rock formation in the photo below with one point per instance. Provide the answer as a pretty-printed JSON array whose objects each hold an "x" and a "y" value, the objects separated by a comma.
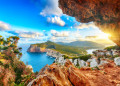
[
  {"x": 69, "y": 75},
  {"x": 104, "y": 13},
  {"x": 53, "y": 53},
  {"x": 93, "y": 63},
  {"x": 117, "y": 61},
  {"x": 81, "y": 63},
  {"x": 35, "y": 48},
  {"x": 103, "y": 61},
  {"x": 103, "y": 53}
]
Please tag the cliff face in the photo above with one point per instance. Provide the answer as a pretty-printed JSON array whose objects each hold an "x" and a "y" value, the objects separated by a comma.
[
  {"x": 35, "y": 48},
  {"x": 69, "y": 75},
  {"x": 104, "y": 13},
  {"x": 49, "y": 52},
  {"x": 53, "y": 53}
]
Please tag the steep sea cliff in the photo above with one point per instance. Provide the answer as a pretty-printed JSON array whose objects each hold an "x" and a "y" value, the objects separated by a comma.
[{"x": 35, "y": 48}]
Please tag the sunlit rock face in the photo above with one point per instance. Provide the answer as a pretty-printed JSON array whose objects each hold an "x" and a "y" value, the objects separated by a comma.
[
  {"x": 35, "y": 48},
  {"x": 69, "y": 75},
  {"x": 104, "y": 13}
]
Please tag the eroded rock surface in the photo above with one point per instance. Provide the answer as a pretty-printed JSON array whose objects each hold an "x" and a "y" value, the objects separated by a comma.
[
  {"x": 68, "y": 75},
  {"x": 104, "y": 13}
]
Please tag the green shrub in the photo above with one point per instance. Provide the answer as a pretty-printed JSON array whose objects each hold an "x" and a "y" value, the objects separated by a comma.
[
  {"x": 85, "y": 57},
  {"x": 16, "y": 51},
  {"x": 112, "y": 47},
  {"x": 12, "y": 45},
  {"x": 4, "y": 48},
  {"x": 18, "y": 68},
  {"x": 1, "y": 63},
  {"x": 6, "y": 66}
]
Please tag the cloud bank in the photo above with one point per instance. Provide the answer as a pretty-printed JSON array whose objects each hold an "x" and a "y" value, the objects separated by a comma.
[
  {"x": 26, "y": 34},
  {"x": 4, "y": 26},
  {"x": 59, "y": 34},
  {"x": 56, "y": 20},
  {"x": 85, "y": 25},
  {"x": 51, "y": 8}
]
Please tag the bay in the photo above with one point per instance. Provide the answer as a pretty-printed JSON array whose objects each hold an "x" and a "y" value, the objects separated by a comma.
[{"x": 36, "y": 60}]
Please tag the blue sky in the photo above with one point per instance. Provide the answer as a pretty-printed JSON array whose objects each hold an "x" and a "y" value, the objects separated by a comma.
[{"x": 37, "y": 21}]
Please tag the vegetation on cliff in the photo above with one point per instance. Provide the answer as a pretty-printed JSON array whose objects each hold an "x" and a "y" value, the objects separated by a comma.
[
  {"x": 69, "y": 50},
  {"x": 82, "y": 57},
  {"x": 83, "y": 44},
  {"x": 13, "y": 72},
  {"x": 113, "y": 47}
]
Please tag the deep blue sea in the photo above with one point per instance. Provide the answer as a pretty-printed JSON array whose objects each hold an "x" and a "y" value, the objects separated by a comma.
[{"x": 36, "y": 60}]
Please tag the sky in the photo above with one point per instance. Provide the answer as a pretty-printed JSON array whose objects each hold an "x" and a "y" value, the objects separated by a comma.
[{"x": 36, "y": 21}]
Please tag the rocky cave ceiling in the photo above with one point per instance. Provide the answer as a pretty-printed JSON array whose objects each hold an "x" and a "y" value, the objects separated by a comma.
[{"x": 104, "y": 13}]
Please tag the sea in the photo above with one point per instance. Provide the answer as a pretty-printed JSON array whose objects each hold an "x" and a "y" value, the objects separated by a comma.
[{"x": 36, "y": 60}]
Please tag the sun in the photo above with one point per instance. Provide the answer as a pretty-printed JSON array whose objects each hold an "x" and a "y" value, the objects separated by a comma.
[{"x": 104, "y": 36}]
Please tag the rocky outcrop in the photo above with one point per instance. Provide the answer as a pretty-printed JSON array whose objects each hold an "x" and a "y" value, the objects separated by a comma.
[
  {"x": 93, "y": 63},
  {"x": 53, "y": 53},
  {"x": 104, "y": 53},
  {"x": 35, "y": 48},
  {"x": 117, "y": 61},
  {"x": 49, "y": 52},
  {"x": 104, "y": 13},
  {"x": 69, "y": 75},
  {"x": 82, "y": 63}
]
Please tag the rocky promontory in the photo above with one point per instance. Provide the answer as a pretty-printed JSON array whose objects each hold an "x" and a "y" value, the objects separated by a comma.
[
  {"x": 35, "y": 48},
  {"x": 53, "y": 53},
  {"x": 49, "y": 52}
]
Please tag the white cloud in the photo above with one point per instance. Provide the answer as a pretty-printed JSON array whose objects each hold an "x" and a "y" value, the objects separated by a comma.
[
  {"x": 4, "y": 26},
  {"x": 25, "y": 34},
  {"x": 60, "y": 34},
  {"x": 56, "y": 20},
  {"x": 51, "y": 8},
  {"x": 91, "y": 37},
  {"x": 86, "y": 25}
]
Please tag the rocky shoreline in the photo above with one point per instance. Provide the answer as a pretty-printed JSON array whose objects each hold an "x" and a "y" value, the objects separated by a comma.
[
  {"x": 49, "y": 52},
  {"x": 92, "y": 62},
  {"x": 102, "y": 69},
  {"x": 99, "y": 57},
  {"x": 36, "y": 49}
]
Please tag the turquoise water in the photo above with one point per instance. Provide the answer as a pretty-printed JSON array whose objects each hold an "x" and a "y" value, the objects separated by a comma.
[{"x": 36, "y": 60}]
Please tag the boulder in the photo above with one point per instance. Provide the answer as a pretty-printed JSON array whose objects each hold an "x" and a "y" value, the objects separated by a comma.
[
  {"x": 75, "y": 62},
  {"x": 109, "y": 53},
  {"x": 71, "y": 60},
  {"x": 103, "y": 62},
  {"x": 117, "y": 61},
  {"x": 93, "y": 63},
  {"x": 61, "y": 60},
  {"x": 82, "y": 63}
]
